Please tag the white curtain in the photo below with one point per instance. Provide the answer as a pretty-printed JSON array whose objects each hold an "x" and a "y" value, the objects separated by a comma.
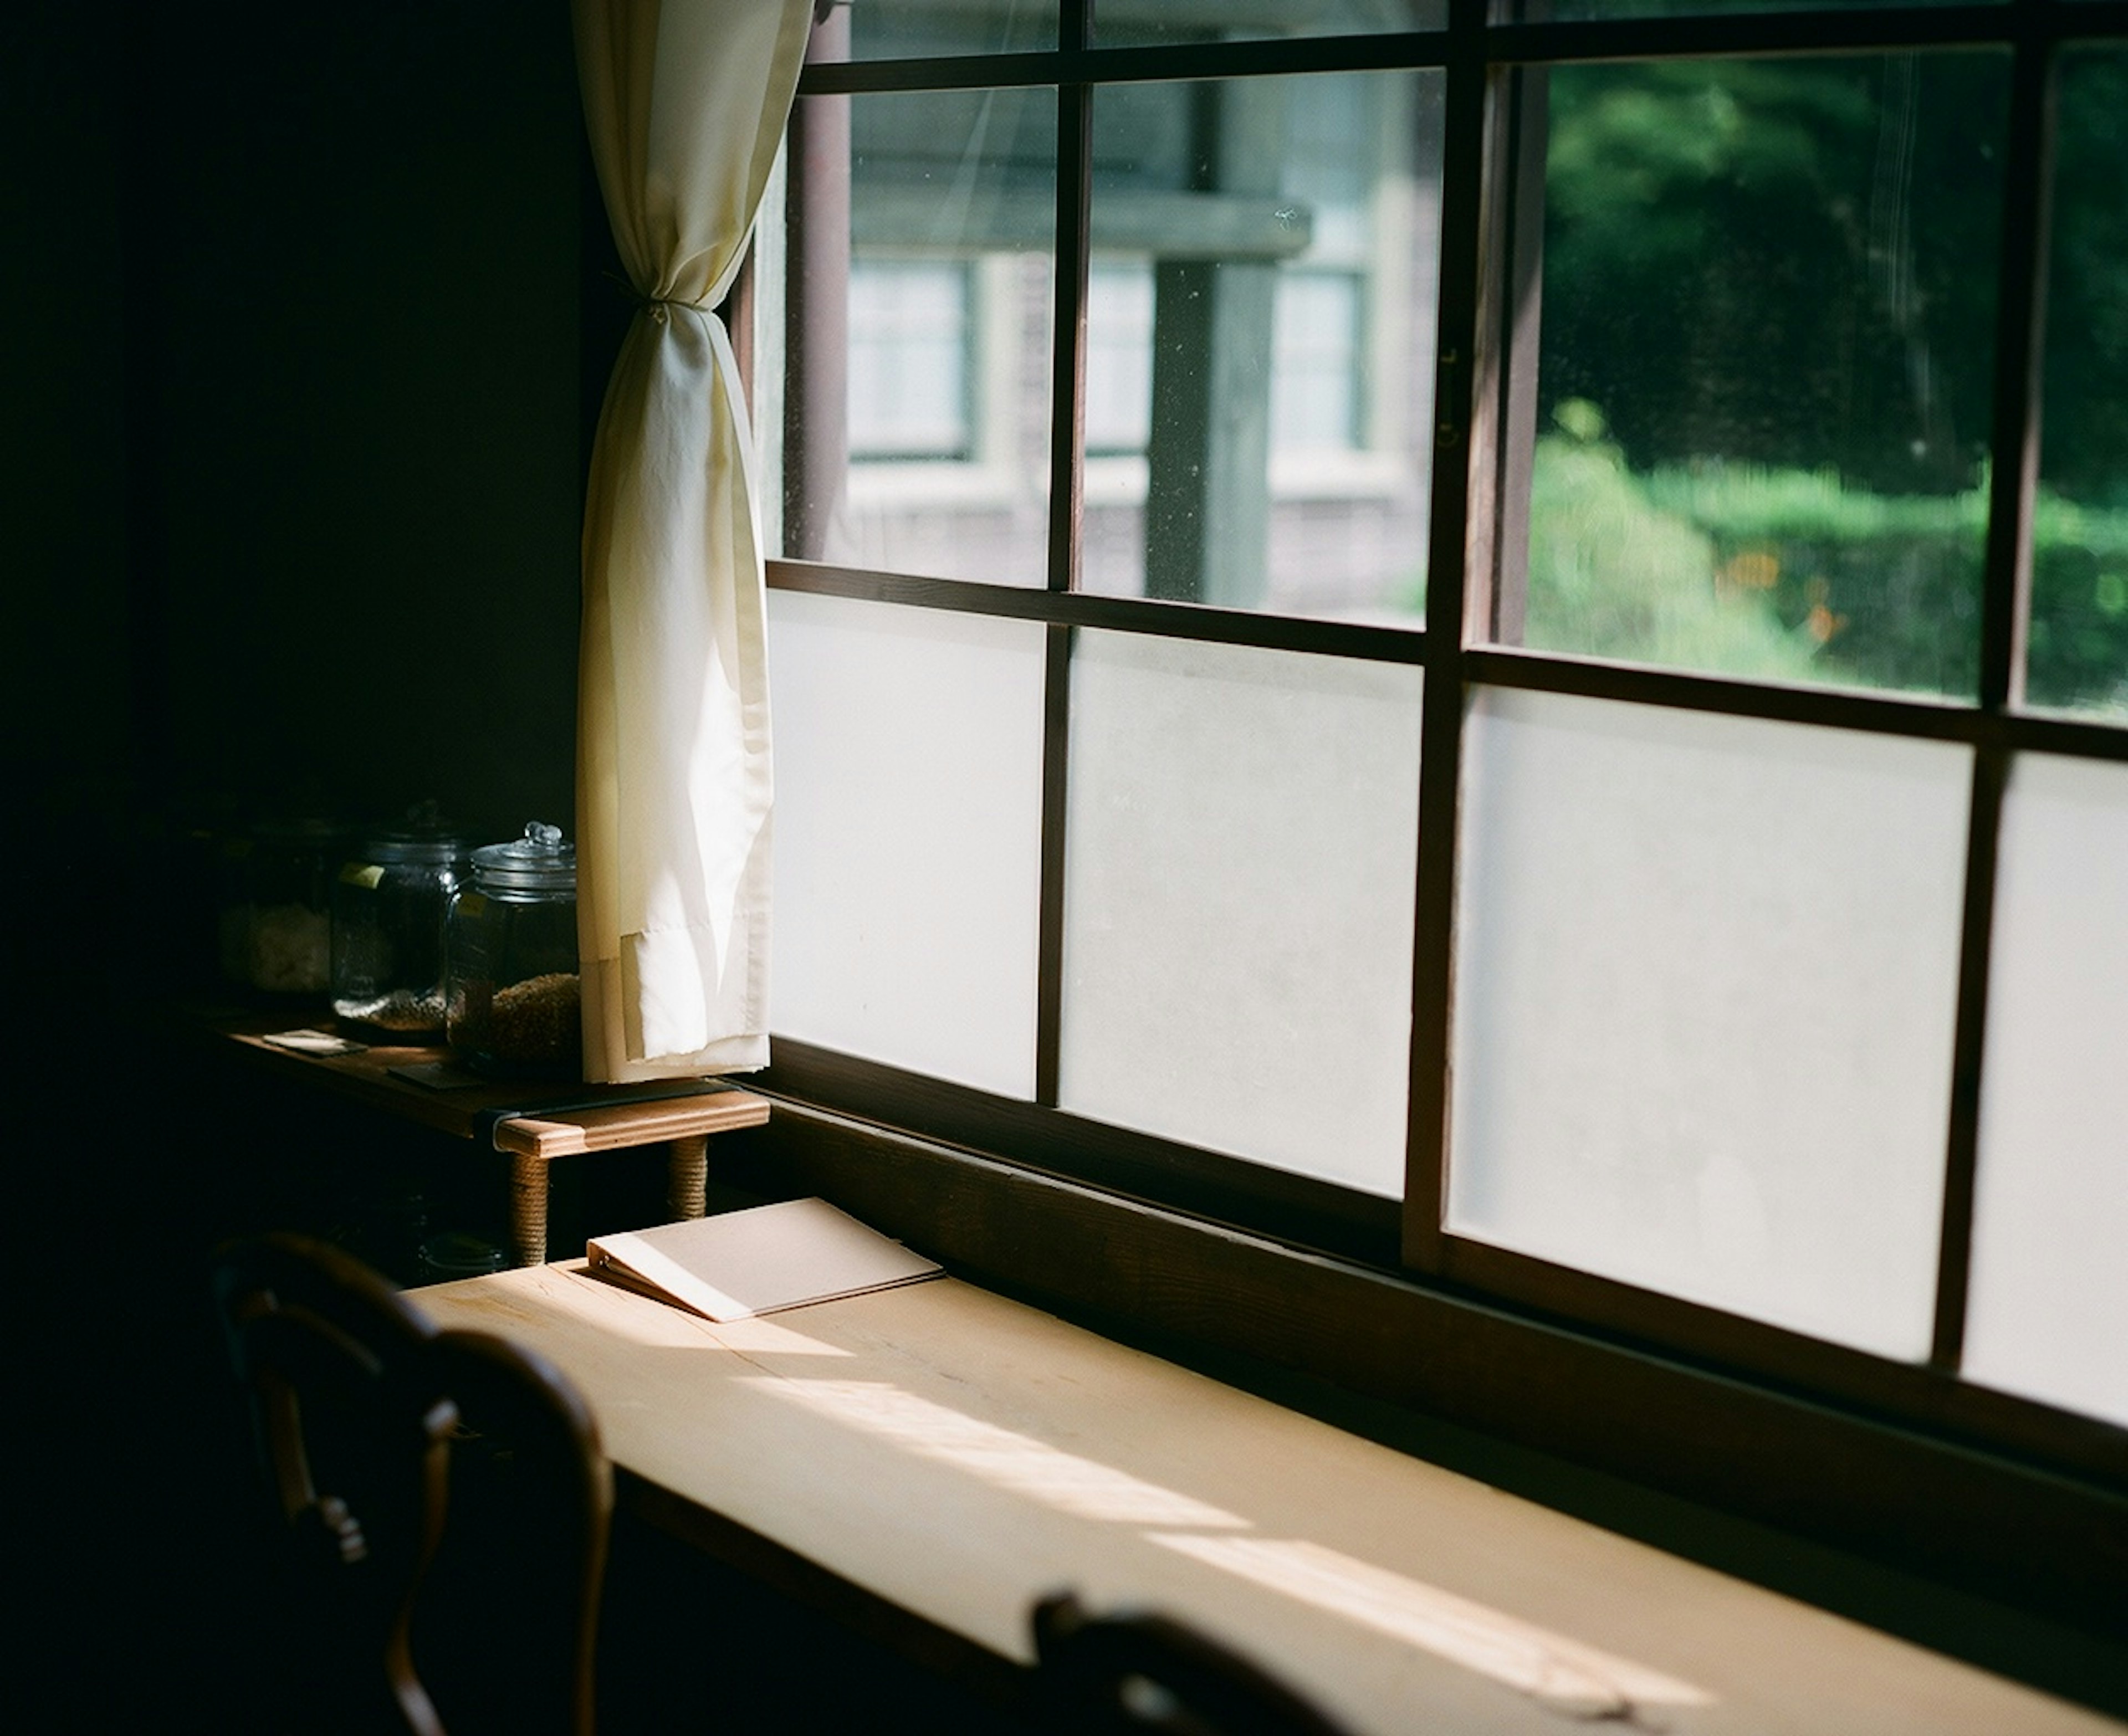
[{"x": 685, "y": 101}]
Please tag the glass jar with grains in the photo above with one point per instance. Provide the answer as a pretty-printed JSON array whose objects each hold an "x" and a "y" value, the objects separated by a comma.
[
  {"x": 388, "y": 908},
  {"x": 282, "y": 935},
  {"x": 510, "y": 988}
]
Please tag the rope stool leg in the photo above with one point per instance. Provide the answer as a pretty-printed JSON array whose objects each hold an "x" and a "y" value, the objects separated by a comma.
[
  {"x": 687, "y": 1176},
  {"x": 528, "y": 1208}
]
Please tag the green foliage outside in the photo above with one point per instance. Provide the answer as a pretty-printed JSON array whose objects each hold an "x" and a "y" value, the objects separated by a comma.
[
  {"x": 1787, "y": 574},
  {"x": 1778, "y": 280},
  {"x": 1612, "y": 574},
  {"x": 1782, "y": 263}
]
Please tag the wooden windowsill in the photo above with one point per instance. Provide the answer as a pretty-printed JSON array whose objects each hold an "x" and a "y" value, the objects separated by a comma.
[
  {"x": 1923, "y": 1518},
  {"x": 955, "y": 1454}
]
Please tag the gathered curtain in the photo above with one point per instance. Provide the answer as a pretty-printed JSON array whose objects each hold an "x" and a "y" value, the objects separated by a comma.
[{"x": 685, "y": 103}]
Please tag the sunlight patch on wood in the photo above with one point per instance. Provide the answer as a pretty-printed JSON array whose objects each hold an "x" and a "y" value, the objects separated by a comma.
[{"x": 1562, "y": 1672}]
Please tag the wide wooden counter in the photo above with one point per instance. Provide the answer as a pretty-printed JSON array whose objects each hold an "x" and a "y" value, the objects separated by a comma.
[{"x": 957, "y": 1454}]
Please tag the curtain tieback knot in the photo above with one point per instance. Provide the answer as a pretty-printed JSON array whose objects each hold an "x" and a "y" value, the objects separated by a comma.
[
  {"x": 657, "y": 307},
  {"x": 660, "y": 307}
]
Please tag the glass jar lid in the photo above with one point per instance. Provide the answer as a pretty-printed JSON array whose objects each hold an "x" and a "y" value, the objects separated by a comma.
[
  {"x": 423, "y": 836},
  {"x": 538, "y": 862}
]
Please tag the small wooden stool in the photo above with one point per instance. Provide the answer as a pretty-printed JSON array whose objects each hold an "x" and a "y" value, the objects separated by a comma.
[{"x": 684, "y": 1123}]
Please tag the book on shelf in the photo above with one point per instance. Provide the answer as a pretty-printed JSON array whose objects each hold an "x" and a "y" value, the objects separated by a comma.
[{"x": 760, "y": 1260}]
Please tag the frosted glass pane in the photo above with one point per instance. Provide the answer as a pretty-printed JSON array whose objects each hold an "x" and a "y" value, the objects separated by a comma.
[
  {"x": 1241, "y": 857},
  {"x": 908, "y": 835},
  {"x": 2049, "y": 1283},
  {"x": 1706, "y": 976}
]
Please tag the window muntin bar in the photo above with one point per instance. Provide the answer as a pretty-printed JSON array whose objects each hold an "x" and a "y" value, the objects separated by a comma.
[
  {"x": 1137, "y": 23},
  {"x": 1545, "y": 11}
]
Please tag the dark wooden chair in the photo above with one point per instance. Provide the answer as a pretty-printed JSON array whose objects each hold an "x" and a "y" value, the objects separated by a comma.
[
  {"x": 1134, "y": 1670},
  {"x": 436, "y": 1532}
]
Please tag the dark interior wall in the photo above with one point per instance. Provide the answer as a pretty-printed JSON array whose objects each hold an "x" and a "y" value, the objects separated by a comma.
[
  {"x": 62, "y": 411},
  {"x": 290, "y": 488},
  {"x": 290, "y": 484},
  {"x": 363, "y": 242},
  {"x": 291, "y": 473}
]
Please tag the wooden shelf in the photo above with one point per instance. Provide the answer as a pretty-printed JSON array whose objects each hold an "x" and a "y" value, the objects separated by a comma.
[
  {"x": 533, "y": 1122},
  {"x": 612, "y": 1127}
]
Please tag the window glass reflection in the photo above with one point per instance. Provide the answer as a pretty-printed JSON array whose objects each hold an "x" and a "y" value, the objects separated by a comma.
[
  {"x": 1762, "y": 308},
  {"x": 1260, "y": 325},
  {"x": 1131, "y": 22},
  {"x": 898, "y": 30},
  {"x": 918, "y": 306}
]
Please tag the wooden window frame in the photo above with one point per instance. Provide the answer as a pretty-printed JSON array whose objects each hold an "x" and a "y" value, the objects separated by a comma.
[{"x": 1379, "y": 1298}]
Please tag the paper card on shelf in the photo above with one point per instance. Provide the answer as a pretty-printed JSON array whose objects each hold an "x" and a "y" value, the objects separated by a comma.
[
  {"x": 313, "y": 1042},
  {"x": 757, "y": 1261}
]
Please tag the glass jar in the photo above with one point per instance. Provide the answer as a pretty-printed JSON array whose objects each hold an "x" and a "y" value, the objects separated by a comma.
[
  {"x": 388, "y": 909},
  {"x": 279, "y": 931},
  {"x": 458, "y": 1253},
  {"x": 511, "y": 993}
]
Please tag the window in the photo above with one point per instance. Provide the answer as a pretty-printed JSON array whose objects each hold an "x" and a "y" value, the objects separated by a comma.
[
  {"x": 1510, "y": 705},
  {"x": 911, "y": 360}
]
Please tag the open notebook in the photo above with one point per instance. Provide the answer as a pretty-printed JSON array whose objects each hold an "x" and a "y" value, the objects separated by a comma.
[{"x": 759, "y": 1260}]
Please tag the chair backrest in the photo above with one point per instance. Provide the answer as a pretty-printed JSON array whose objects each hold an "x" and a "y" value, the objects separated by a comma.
[
  {"x": 440, "y": 1503},
  {"x": 1138, "y": 1670}
]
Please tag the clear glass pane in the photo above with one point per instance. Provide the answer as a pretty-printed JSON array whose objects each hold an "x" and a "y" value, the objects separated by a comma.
[
  {"x": 1763, "y": 317},
  {"x": 2076, "y": 651},
  {"x": 1119, "y": 352},
  {"x": 912, "y": 337},
  {"x": 917, "y": 296},
  {"x": 1706, "y": 976},
  {"x": 1261, "y": 318},
  {"x": 1242, "y": 853},
  {"x": 1128, "y": 22},
  {"x": 869, "y": 29},
  {"x": 908, "y": 835},
  {"x": 2049, "y": 1280}
]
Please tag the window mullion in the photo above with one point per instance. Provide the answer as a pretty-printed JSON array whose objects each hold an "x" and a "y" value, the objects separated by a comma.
[
  {"x": 2020, "y": 348},
  {"x": 2020, "y": 327},
  {"x": 1049, "y": 984},
  {"x": 1523, "y": 132},
  {"x": 1067, "y": 470},
  {"x": 1459, "y": 540},
  {"x": 1074, "y": 107}
]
